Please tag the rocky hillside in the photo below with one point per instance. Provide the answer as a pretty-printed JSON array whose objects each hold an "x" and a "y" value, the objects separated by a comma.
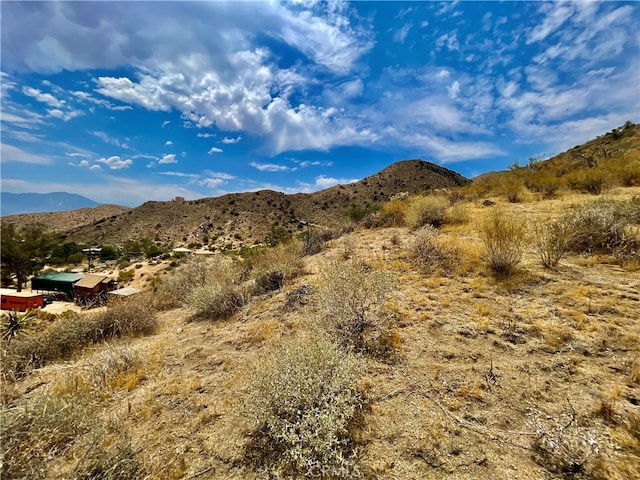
[{"x": 245, "y": 218}]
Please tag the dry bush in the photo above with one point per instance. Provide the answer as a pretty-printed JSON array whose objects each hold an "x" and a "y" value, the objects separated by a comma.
[
  {"x": 73, "y": 332},
  {"x": 430, "y": 252},
  {"x": 271, "y": 268},
  {"x": 504, "y": 238},
  {"x": 221, "y": 296},
  {"x": 428, "y": 210},
  {"x": 304, "y": 400},
  {"x": 594, "y": 181},
  {"x": 35, "y": 432},
  {"x": 551, "y": 240},
  {"x": 599, "y": 227},
  {"x": 314, "y": 239},
  {"x": 564, "y": 447},
  {"x": 195, "y": 272},
  {"x": 350, "y": 305},
  {"x": 392, "y": 214},
  {"x": 457, "y": 214}
]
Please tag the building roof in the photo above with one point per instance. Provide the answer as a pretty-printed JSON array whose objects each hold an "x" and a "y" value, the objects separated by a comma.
[
  {"x": 182, "y": 250},
  {"x": 91, "y": 281},
  {"x": 125, "y": 292},
  {"x": 60, "y": 277},
  {"x": 7, "y": 292}
]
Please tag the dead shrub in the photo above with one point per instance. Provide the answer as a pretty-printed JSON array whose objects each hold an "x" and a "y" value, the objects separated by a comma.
[
  {"x": 392, "y": 214},
  {"x": 458, "y": 214},
  {"x": 314, "y": 239},
  {"x": 428, "y": 210},
  {"x": 217, "y": 301},
  {"x": 600, "y": 227},
  {"x": 430, "y": 252},
  {"x": 350, "y": 306},
  {"x": 551, "y": 240},
  {"x": 564, "y": 447},
  {"x": 504, "y": 238},
  {"x": 304, "y": 401}
]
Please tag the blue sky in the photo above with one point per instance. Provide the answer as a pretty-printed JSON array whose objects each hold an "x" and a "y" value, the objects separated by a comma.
[{"x": 136, "y": 101}]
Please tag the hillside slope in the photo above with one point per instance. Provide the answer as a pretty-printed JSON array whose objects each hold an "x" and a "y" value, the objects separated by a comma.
[{"x": 245, "y": 218}]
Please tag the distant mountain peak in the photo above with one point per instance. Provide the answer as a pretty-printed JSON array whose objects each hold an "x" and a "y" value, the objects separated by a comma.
[{"x": 16, "y": 203}]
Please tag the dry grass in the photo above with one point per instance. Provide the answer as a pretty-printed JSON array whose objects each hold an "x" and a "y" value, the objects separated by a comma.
[
  {"x": 504, "y": 238},
  {"x": 478, "y": 387}
]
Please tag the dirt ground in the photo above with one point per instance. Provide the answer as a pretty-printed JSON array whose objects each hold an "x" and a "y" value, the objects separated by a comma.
[{"x": 497, "y": 379}]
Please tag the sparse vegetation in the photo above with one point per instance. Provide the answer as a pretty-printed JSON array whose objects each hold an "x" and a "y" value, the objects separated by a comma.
[
  {"x": 351, "y": 308},
  {"x": 504, "y": 238},
  {"x": 430, "y": 252},
  {"x": 304, "y": 401},
  {"x": 429, "y": 210},
  {"x": 551, "y": 240}
]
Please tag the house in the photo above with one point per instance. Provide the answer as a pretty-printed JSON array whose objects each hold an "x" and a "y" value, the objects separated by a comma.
[
  {"x": 20, "y": 301},
  {"x": 61, "y": 282},
  {"x": 90, "y": 286}
]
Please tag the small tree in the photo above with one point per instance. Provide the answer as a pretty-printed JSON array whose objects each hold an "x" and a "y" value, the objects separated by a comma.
[{"x": 24, "y": 251}]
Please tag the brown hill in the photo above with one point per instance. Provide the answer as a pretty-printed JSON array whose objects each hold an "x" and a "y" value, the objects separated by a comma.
[
  {"x": 64, "y": 221},
  {"x": 245, "y": 218}
]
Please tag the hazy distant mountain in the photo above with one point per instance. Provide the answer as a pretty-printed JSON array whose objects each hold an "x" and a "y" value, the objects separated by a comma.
[{"x": 14, "y": 203}]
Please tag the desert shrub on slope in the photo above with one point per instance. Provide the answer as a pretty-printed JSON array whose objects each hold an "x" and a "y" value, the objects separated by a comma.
[
  {"x": 504, "y": 238},
  {"x": 351, "y": 308},
  {"x": 304, "y": 400}
]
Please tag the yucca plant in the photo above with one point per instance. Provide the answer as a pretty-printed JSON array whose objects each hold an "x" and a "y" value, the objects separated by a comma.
[{"x": 14, "y": 322}]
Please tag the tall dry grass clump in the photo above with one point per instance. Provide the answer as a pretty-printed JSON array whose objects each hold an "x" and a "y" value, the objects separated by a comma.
[
  {"x": 505, "y": 241},
  {"x": 72, "y": 332},
  {"x": 222, "y": 294},
  {"x": 304, "y": 400},
  {"x": 551, "y": 240},
  {"x": 604, "y": 226},
  {"x": 430, "y": 252},
  {"x": 350, "y": 307},
  {"x": 37, "y": 431},
  {"x": 270, "y": 268},
  {"x": 429, "y": 210},
  {"x": 195, "y": 272}
]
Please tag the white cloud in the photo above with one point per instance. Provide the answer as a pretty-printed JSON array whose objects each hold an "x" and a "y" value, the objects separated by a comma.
[
  {"x": 95, "y": 167},
  {"x": 111, "y": 140},
  {"x": 168, "y": 143},
  {"x": 81, "y": 163},
  {"x": 66, "y": 116},
  {"x": 115, "y": 162},
  {"x": 43, "y": 97},
  {"x": 165, "y": 123},
  {"x": 270, "y": 167},
  {"x": 323, "y": 181},
  {"x": 229, "y": 141},
  {"x": 168, "y": 158},
  {"x": 213, "y": 150},
  {"x": 401, "y": 35},
  {"x": 206, "y": 135},
  {"x": 556, "y": 15},
  {"x": 9, "y": 153}
]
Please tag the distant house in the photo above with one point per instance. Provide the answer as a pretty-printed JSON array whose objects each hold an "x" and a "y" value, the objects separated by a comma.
[
  {"x": 20, "y": 301},
  {"x": 60, "y": 282},
  {"x": 90, "y": 286},
  {"x": 181, "y": 251}
]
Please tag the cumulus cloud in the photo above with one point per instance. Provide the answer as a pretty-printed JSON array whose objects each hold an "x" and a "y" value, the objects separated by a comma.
[
  {"x": 206, "y": 135},
  {"x": 213, "y": 150},
  {"x": 168, "y": 143},
  {"x": 168, "y": 158},
  {"x": 229, "y": 141},
  {"x": 115, "y": 162},
  {"x": 323, "y": 181}
]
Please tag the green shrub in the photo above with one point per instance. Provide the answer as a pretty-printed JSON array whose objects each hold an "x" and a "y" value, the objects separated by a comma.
[
  {"x": 504, "y": 238},
  {"x": 217, "y": 301},
  {"x": 126, "y": 276},
  {"x": 304, "y": 401},
  {"x": 270, "y": 268},
  {"x": 350, "y": 301},
  {"x": 428, "y": 210}
]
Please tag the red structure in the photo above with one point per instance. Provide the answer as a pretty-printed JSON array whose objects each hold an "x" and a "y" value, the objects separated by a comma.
[{"x": 20, "y": 301}]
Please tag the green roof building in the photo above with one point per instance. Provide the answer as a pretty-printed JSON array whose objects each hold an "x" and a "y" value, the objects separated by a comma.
[{"x": 56, "y": 282}]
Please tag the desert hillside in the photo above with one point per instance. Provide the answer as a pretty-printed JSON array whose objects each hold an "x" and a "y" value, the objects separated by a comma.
[{"x": 244, "y": 218}]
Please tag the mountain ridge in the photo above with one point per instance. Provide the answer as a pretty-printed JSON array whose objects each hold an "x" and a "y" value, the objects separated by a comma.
[{"x": 19, "y": 203}]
